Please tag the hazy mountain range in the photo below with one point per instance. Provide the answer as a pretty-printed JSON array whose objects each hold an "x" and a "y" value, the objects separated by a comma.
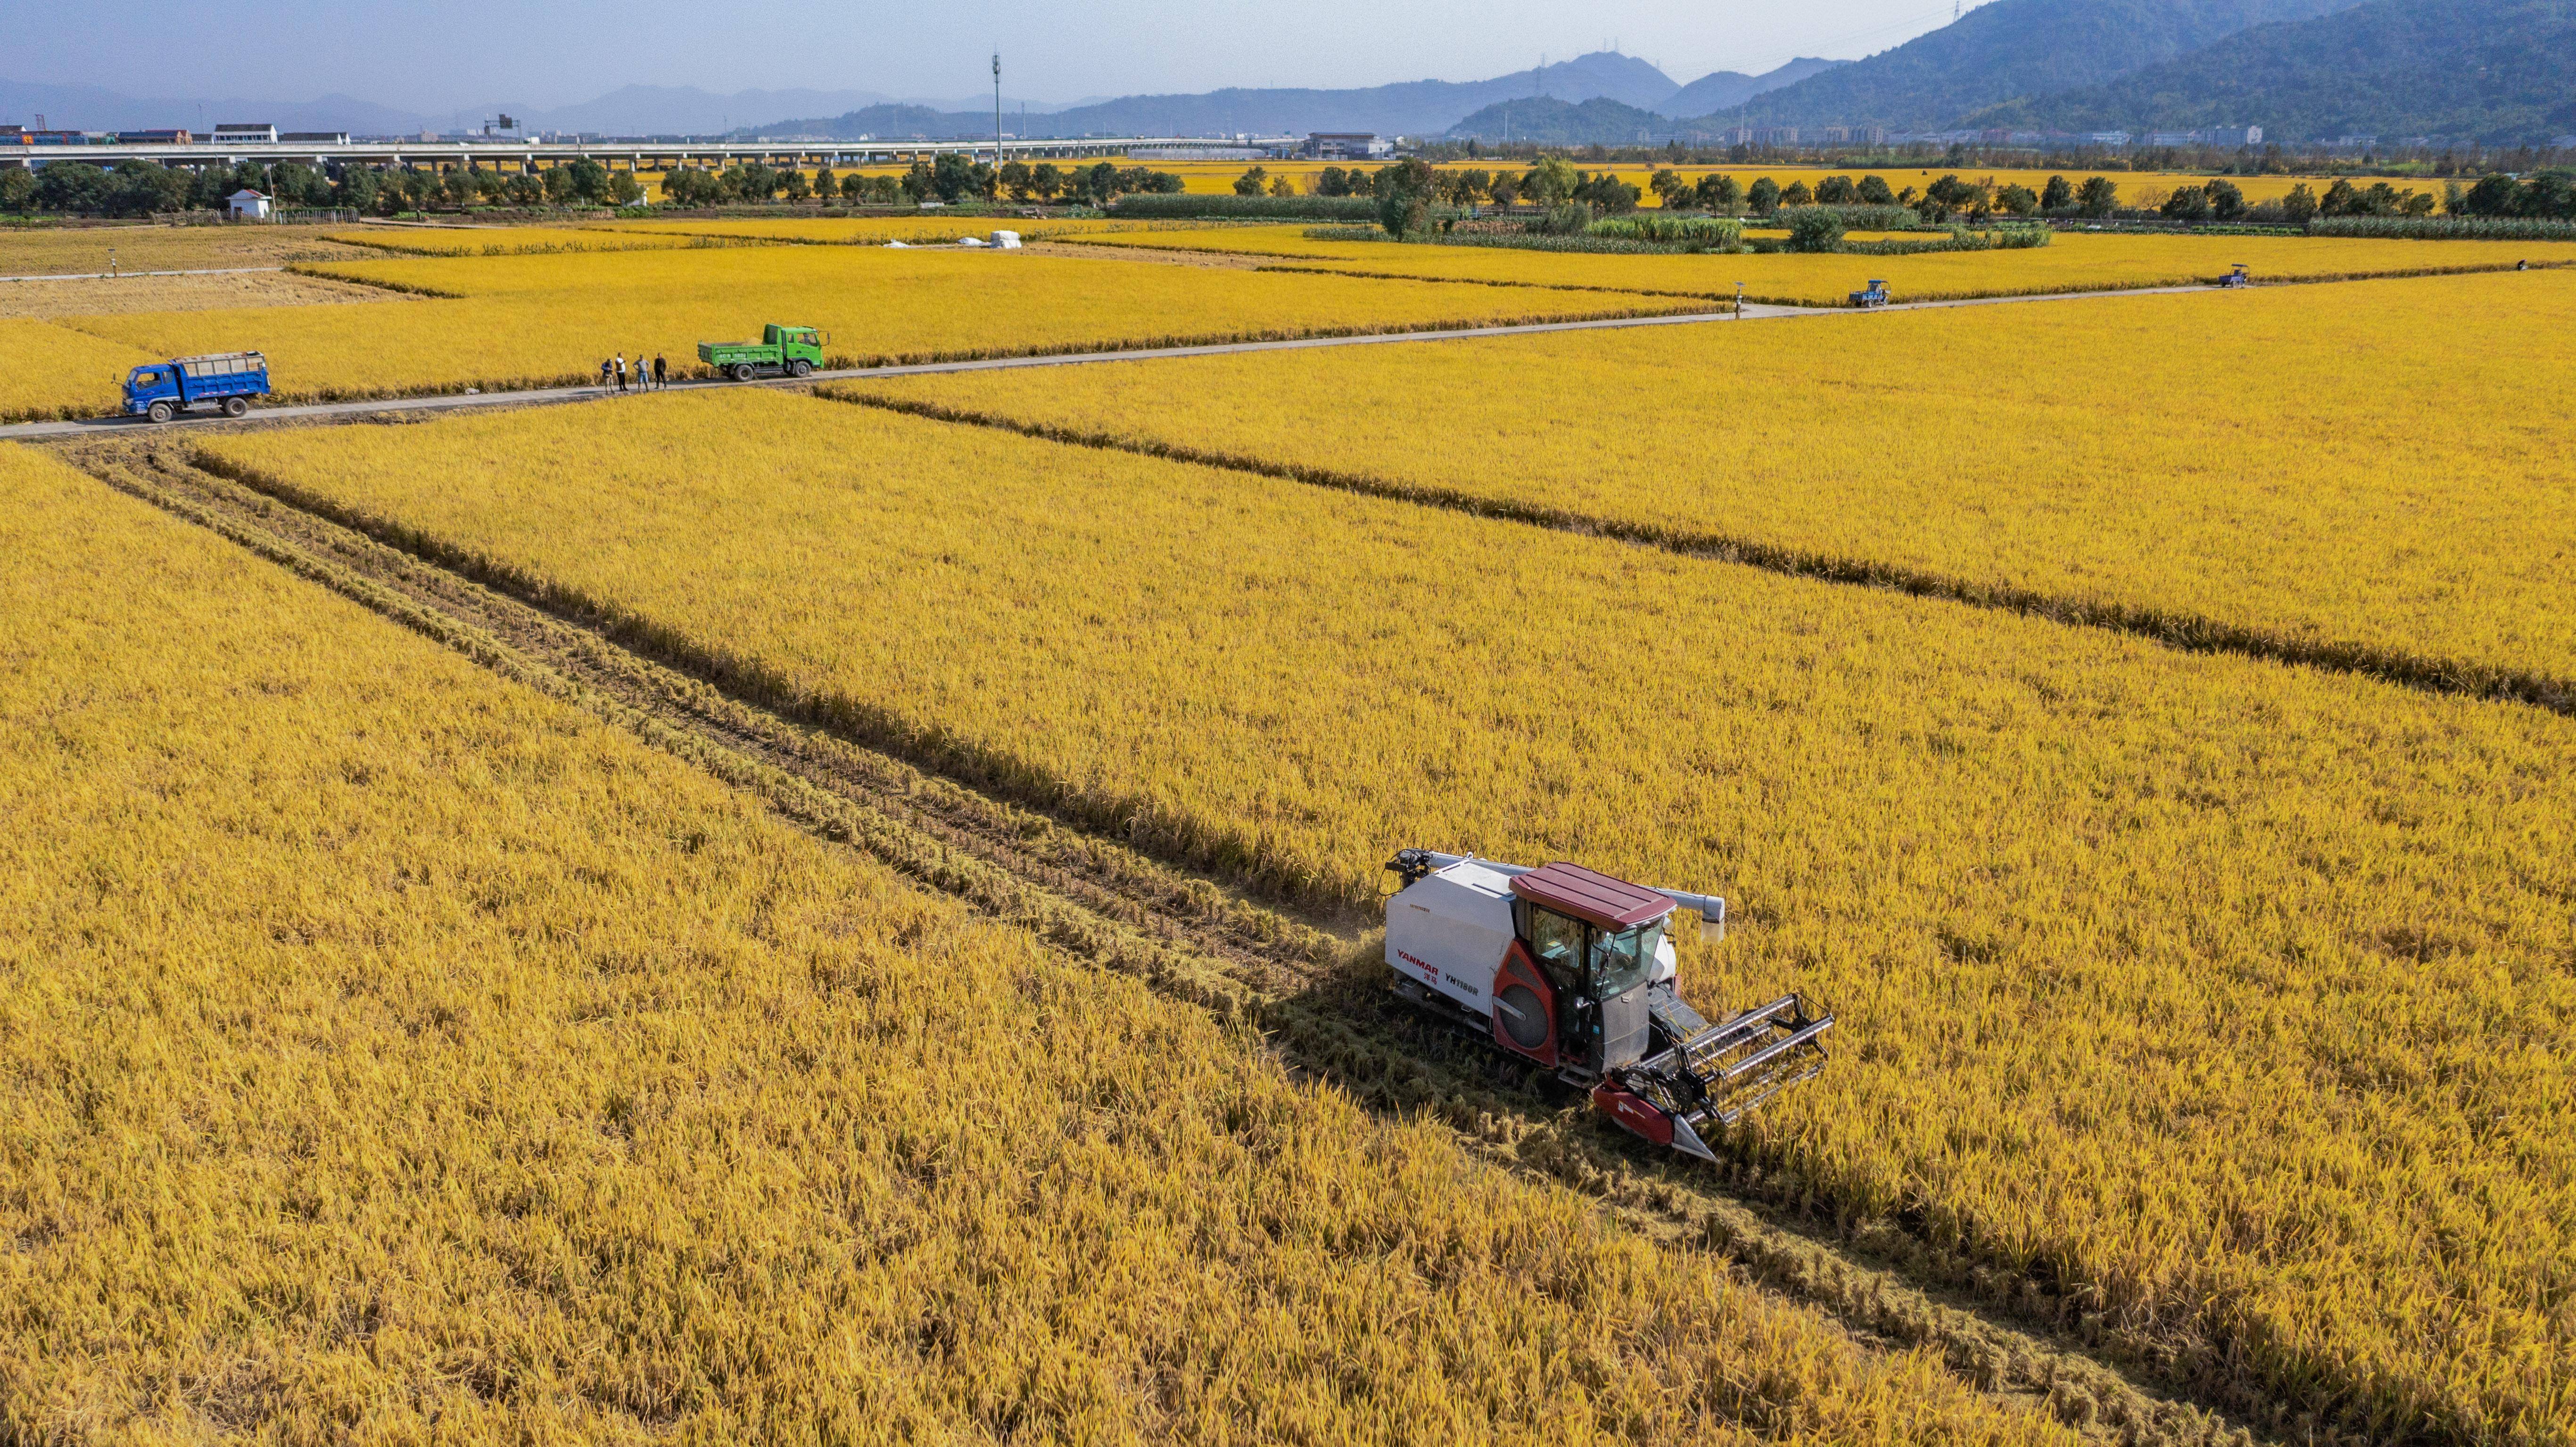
[
  {"x": 632, "y": 110},
  {"x": 2491, "y": 71},
  {"x": 2494, "y": 71},
  {"x": 2013, "y": 48},
  {"x": 2486, "y": 70},
  {"x": 1416, "y": 108},
  {"x": 1412, "y": 108}
]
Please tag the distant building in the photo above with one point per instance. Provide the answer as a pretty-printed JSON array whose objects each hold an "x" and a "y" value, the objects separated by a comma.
[
  {"x": 247, "y": 205},
  {"x": 315, "y": 138},
  {"x": 2107, "y": 138},
  {"x": 2169, "y": 138},
  {"x": 2356, "y": 143},
  {"x": 152, "y": 138},
  {"x": 1774, "y": 136},
  {"x": 243, "y": 133},
  {"x": 1854, "y": 135},
  {"x": 1347, "y": 145},
  {"x": 2228, "y": 136}
]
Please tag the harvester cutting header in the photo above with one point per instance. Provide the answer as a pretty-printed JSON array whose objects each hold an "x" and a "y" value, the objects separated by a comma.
[{"x": 1570, "y": 969}]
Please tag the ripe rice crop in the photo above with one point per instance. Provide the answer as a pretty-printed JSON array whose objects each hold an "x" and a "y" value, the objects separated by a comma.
[
  {"x": 827, "y": 230},
  {"x": 536, "y": 320},
  {"x": 87, "y": 250},
  {"x": 1966, "y": 453},
  {"x": 507, "y": 240},
  {"x": 73, "y": 296},
  {"x": 388, "y": 1052},
  {"x": 2077, "y": 261},
  {"x": 2232, "y": 998},
  {"x": 54, "y": 371}
]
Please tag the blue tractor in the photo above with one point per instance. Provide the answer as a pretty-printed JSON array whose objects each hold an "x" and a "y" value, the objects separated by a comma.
[
  {"x": 225, "y": 383},
  {"x": 1875, "y": 296}
]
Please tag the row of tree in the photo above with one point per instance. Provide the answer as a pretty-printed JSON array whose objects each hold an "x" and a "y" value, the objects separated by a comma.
[
  {"x": 1555, "y": 182},
  {"x": 2546, "y": 196},
  {"x": 145, "y": 188},
  {"x": 950, "y": 179}
]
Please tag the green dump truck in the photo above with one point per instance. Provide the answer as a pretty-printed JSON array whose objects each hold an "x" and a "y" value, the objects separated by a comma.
[{"x": 780, "y": 352}]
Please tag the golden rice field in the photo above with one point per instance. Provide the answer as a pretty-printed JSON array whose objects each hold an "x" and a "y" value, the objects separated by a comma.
[
  {"x": 677, "y": 234},
  {"x": 85, "y": 250},
  {"x": 503, "y": 240},
  {"x": 2234, "y": 996},
  {"x": 2075, "y": 261},
  {"x": 71, "y": 296},
  {"x": 2293, "y": 488},
  {"x": 391, "y": 1053},
  {"x": 822, "y": 229},
  {"x": 55, "y": 371},
  {"x": 514, "y": 321}
]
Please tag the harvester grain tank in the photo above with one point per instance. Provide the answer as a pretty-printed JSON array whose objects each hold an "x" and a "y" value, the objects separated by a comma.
[{"x": 1571, "y": 970}]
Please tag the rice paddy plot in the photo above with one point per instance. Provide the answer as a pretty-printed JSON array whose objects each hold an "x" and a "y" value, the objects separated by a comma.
[
  {"x": 54, "y": 371},
  {"x": 821, "y": 229},
  {"x": 389, "y": 1051},
  {"x": 505, "y": 240},
  {"x": 513, "y": 321},
  {"x": 86, "y": 250},
  {"x": 2075, "y": 261},
  {"x": 2293, "y": 475},
  {"x": 2232, "y": 997}
]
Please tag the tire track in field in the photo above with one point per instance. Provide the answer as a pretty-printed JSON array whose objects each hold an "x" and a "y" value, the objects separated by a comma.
[
  {"x": 2174, "y": 628},
  {"x": 1318, "y": 996}
]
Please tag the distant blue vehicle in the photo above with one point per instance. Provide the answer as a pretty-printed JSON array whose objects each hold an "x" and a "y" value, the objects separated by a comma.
[
  {"x": 227, "y": 381},
  {"x": 1874, "y": 296}
]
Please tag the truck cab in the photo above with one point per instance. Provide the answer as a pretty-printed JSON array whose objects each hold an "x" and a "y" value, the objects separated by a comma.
[{"x": 224, "y": 382}]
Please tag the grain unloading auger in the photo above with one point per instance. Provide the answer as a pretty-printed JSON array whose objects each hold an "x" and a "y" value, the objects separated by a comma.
[{"x": 1570, "y": 969}]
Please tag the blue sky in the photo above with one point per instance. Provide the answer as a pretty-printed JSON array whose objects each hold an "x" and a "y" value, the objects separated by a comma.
[{"x": 465, "y": 53}]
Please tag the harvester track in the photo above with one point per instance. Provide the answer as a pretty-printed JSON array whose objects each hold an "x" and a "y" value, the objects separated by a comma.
[{"x": 1314, "y": 993}]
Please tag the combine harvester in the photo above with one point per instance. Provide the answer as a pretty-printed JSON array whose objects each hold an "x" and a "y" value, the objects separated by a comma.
[{"x": 1570, "y": 969}]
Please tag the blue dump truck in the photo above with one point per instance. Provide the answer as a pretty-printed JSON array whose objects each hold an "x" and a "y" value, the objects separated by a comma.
[{"x": 227, "y": 381}]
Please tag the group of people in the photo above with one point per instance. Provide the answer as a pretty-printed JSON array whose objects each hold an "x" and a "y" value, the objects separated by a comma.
[{"x": 646, "y": 378}]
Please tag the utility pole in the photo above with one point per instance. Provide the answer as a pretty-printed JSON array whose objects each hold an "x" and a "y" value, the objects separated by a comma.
[{"x": 997, "y": 112}]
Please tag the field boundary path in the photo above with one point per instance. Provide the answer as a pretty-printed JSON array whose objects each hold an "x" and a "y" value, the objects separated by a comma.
[
  {"x": 122, "y": 275},
  {"x": 1317, "y": 998}
]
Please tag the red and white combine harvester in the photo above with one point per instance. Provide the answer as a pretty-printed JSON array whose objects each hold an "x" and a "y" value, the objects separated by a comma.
[{"x": 1570, "y": 969}]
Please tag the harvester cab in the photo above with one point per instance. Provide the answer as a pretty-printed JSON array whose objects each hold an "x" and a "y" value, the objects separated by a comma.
[
  {"x": 2236, "y": 278},
  {"x": 1573, "y": 971}
]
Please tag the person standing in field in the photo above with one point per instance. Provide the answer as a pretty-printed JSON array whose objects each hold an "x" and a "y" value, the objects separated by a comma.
[
  {"x": 621, "y": 371},
  {"x": 659, "y": 380},
  {"x": 603, "y": 374}
]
